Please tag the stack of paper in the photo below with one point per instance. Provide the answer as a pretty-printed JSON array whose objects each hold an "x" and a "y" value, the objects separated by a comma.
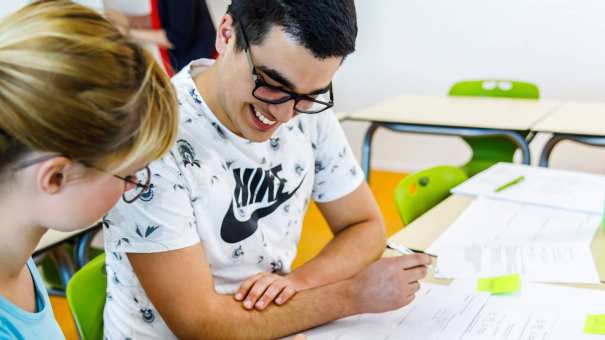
[
  {"x": 535, "y": 222},
  {"x": 495, "y": 237},
  {"x": 459, "y": 312},
  {"x": 542, "y": 186},
  {"x": 539, "y": 227}
]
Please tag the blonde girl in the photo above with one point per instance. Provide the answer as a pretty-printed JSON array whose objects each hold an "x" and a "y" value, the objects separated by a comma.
[{"x": 82, "y": 112}]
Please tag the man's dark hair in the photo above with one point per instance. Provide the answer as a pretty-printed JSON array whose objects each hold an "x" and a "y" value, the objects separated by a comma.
[{"x": 327, "y": 28}]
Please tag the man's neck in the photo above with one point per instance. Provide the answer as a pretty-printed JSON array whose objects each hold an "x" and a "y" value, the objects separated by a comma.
[{"x": 207, "y": 84}]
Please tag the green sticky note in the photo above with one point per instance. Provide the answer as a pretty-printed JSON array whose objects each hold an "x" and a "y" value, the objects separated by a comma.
[
  {"x": 595, "y": 324},
  {"x": 500, "y": 284}
]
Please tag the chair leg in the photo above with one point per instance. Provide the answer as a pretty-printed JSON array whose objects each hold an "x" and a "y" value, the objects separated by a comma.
[
  {"x": 65, "y": 264},
  {"x": 82, "y": 248},
  {"x": 366, "y": 150}
]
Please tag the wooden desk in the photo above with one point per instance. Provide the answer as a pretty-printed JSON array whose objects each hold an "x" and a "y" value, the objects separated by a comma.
[
  {"x": 427, "y": 228},
  {"x": 583, "y": 122},
  {"x": 53, "y": 238},
  {"x": 454, "y": 116}
]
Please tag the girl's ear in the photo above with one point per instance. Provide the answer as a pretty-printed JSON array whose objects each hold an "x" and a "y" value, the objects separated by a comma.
[{"x": 51, "y": 174}]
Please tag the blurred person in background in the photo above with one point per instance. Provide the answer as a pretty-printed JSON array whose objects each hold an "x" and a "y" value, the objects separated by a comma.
[{"x": 183, "y": 27}]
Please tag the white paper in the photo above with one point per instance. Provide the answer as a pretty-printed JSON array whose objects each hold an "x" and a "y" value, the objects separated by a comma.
[
  {"x": 539, "y": 311},
  {"x": 494, "y": 237},
  {"x": 543, "y": 186},
  {"x": 435, "y": 314},
  {"x": 459, "y": 312}
]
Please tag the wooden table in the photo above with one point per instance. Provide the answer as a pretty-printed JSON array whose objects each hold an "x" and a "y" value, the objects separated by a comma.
[
  {"x": 454, "y": 116},
  {"x": 53, "y": 238},
  {"x": 583, "y": 122},
  {"x": 427, "y": 228}
]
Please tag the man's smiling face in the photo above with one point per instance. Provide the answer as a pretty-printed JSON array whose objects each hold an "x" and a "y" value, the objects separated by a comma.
[{"x": 281, "y": 62}]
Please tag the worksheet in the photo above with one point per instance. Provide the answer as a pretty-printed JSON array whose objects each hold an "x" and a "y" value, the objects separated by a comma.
[
  {"x": 544, "y": 186},
  {"x": 457, "y": 311},
  {"x": 436, "y": 313},
  {"x": 497, "y": 237},
  {"x": 538, "y": 311}
]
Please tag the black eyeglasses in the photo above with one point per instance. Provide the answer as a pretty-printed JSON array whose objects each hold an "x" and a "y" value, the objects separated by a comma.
[
  {"x": 141, "y": 180},
  {"x": 267, "y": 93}
]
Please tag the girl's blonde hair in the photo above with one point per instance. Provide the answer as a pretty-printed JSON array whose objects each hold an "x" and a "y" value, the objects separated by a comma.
[{"x": 71, "y": 84}]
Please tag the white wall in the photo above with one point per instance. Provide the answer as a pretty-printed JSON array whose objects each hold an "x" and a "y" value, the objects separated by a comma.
[
  {"x": 217, "y": 8},
  {"x": 423, "y": 46}
]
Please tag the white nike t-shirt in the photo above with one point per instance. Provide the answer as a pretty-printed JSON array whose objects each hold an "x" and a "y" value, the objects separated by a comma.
[{"x": 243, "y": 201}]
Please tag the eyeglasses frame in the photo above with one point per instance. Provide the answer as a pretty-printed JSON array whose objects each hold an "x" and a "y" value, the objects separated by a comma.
[
  {"x": 260, "y": 82},
  {"x": 145, "y": 187}
]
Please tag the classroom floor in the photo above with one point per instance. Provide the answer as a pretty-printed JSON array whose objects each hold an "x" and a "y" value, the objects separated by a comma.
[{"x": 315, "y": 235}]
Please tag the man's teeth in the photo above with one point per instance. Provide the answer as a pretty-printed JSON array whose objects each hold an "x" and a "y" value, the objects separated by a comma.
[{"x": 262, "y": 118}]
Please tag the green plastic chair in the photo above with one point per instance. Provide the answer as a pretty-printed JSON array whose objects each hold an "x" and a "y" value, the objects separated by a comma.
[
  {"x": 488, "y": 151},
  {"x": 421, "y": 191},
  {"x": 86, "y": 294}
]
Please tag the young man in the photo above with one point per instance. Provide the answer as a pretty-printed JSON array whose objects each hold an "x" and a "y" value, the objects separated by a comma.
[{"x": 257, "y": 142}]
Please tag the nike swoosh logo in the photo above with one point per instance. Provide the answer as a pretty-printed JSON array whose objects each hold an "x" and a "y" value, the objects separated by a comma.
[{"x": 233, "y": 230}]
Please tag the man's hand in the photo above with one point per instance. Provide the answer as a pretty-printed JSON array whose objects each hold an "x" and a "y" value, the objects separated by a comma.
[
  {"x": 263, "y": 288},
  {"x": 390, "y": 283}
]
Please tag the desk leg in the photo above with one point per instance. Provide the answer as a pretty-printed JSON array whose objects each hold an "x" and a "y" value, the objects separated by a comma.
[
  {"x": 366, "y": 150},
  {"x": 558, "y": 137},
  {"x": 547, "y": 150},
  {"x": 516, "y": 137},
  {"x": 523, "y": 145},
  {"x": 81, "y": 250}
]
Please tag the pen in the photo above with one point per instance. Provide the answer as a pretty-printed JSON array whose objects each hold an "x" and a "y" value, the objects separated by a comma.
[
  {"x": 405, "y": 250},
  {"x": 510, "y": 184}
]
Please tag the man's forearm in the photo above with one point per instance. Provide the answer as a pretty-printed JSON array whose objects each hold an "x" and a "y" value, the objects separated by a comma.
[
  {"x": 351, "y": 250},
  {"x": 226, "y": 319}
]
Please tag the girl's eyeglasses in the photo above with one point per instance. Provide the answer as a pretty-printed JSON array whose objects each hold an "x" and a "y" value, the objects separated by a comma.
[{"x": 141, "y": 180}]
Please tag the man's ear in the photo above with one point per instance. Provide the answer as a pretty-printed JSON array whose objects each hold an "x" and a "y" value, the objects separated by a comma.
[
  {"x": 51, "y": 174},
  {"x": 224, "y": 33}
]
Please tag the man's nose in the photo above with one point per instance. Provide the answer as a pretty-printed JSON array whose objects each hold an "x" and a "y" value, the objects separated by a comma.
[{"x": 282, "y": 112}]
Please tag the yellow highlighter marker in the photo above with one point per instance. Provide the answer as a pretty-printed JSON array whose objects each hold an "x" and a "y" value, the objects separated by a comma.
[{"x": 510, "y": 184}]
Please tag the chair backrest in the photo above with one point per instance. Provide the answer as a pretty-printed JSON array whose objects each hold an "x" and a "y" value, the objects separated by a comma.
[
  {"x": 495, "y": 88},
  {"x": 86, "y": 293},
  {"x": 421, "y": 191},
  {"x": 488, "y": 151}
]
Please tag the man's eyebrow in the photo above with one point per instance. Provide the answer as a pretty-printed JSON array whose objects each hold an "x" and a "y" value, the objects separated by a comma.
[{"x": 278, "y": 77}]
